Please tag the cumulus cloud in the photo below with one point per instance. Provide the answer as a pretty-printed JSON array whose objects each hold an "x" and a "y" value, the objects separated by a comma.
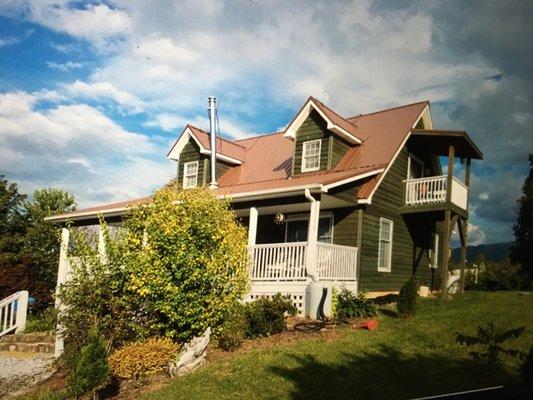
[
  {"x": 64, "y": 67},
  {"x": 78, "y": 148},
  {"x": 104, "y": 91}
]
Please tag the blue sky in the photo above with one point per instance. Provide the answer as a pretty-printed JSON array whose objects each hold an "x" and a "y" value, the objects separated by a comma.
[{"x": 92, "y": 94}]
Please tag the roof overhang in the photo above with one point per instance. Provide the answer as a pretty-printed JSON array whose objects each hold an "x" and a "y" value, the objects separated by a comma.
[
  {"x": 290, "y": 131},
  {"x": 438, "y": 141},
  {"x": 182, "y": 141}
]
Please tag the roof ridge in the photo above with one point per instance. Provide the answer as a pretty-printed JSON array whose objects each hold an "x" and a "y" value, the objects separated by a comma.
[
  {"x": 388, "y": 109},
  {"x": 333, "y": 111},
  {"x": 219, "y": 137},
  {"x": 261, "y": 135}
]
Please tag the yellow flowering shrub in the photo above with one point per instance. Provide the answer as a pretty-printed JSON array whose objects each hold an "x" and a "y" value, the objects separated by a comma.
[{"x": 142, "y": 358}]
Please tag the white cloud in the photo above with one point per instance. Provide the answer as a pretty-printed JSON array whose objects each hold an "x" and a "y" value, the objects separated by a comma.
[
  {"x": 67, "y": 66},
  {"x": 80, "y": 149},
  {"x": 104, "y": 90},
  {"x": 476, "y": 235},
  {"x": 8, "y": 41},
  {"x": 484, "y": 196}
]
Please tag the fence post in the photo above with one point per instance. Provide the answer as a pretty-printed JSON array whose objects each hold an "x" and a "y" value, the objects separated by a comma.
[{"x": 22, "y": 311}]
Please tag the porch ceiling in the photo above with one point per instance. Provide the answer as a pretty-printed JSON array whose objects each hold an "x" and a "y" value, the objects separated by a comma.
[{"x": 437, "y": 141}]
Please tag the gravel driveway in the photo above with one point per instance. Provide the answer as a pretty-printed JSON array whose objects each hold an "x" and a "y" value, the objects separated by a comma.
[{"x": 20, "y": 371}]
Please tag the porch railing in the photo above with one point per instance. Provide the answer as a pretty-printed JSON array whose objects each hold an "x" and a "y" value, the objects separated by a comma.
[
  {"x": 13, "y": 310},
  {"x": 278, "y": 261},
  {"x": 288, "y": 262},
  {"x": 336, "y": 262},
  {"x": 433, "y": 190}
]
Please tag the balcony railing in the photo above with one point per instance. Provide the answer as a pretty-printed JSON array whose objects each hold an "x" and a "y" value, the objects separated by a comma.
[
  {"x": 433, "y": 190},
  {"x": 288, "y": 262}
]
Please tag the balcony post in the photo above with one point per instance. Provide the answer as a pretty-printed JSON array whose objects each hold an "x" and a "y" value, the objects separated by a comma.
[
  {"x": 451, "y": 160},
  {"x": 252, "y": 226},
  {"x": 445, "y": 252}
]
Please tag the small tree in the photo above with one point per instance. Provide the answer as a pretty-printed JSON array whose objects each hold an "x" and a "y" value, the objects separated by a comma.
[
  {"x": 407, "y": 299},
  {"x": 92, "y": 369},
  {"x": 522, "y": 251}
]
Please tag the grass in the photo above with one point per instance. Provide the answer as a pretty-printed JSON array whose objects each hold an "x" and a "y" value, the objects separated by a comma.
[{"x": 402, "y": 359}]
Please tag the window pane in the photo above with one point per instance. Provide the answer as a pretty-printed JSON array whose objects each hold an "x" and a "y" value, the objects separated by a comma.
[
  {"x": 324, "y": 230},
  {"x": 297, "y": 230}
]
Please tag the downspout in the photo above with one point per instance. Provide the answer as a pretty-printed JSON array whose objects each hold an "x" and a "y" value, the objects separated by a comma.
[
  {"x": 213, "y": 184},
  {"x": 311, "y": 247}
]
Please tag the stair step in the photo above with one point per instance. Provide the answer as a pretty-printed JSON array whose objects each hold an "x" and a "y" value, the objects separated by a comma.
[
  {"x": 26, "y": 347},
  {"x": 28, "y": 337}
]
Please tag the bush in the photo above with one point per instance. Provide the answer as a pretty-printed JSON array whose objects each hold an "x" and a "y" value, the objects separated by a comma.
[
  {"x": 233, "y": 330},
  {"x": 407, "y": 299},
  {"x": 42, "y": 321},
  {"x": 491, "y": 340},
  {"x": 266, "y": 316},
  {"x": 350, "y": 305},
  {"x": 526, "y": 369},
  {"x": 142, "y": 358},
  {"x": 499, "y": 276},
  {"x": 92, "y": 369}
]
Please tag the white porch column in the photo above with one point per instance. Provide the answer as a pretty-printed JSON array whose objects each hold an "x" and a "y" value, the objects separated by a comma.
[
  {"x": 101, "y": 245},
  {"x": 252, "y": 226},
  {"x": 312, "y": 235},
  {"x": 62, "y": 277}
]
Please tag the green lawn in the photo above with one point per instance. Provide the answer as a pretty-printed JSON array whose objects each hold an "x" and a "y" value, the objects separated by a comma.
[{"x": 402, "y": 359}]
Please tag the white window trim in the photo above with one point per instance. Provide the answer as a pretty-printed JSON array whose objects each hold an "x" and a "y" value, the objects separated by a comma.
[
  {"x": 434, "y": 252},
  {"x": 410, "y": 157},
  {"x": 302, "y": 217},
  {"x": 304, "y": 146},
  {"x": 185, "y": 175},
  {"x": 387, "y": 268}
]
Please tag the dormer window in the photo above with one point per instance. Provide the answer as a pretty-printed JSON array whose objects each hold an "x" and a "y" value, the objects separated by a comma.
[
  {"x": 311, "y": 155},
  {"x": 190, "y": 175}
]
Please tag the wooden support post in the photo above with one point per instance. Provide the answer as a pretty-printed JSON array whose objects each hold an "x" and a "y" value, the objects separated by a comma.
[
  {"x": 445, "y": 253},
  {"x": 464, "y": 229},
  {"x": 312, "y": 236},
  {"x": 252, "y": 226},
  {"x": 359, "y": 242}
]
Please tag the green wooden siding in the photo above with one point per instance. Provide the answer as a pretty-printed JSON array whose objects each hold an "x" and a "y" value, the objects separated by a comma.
[
  {"x": 191, "y": 152},
  {"x": 411, "y": 235},
  {"x": 332, "y": 148}
]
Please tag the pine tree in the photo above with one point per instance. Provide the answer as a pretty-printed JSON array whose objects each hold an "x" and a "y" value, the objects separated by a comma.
[{"x": 522, "y": 251}]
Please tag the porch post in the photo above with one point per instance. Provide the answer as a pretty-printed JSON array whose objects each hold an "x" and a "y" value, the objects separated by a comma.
[
  {"x": 101, "y": 245},
  {"x": 451, "y": 159},
  {"x": 62, "y": 277},
  {"x": 312, "y": 235},
  {"x": 445, "y": 252},
  {"x": 252, "y": 226}
]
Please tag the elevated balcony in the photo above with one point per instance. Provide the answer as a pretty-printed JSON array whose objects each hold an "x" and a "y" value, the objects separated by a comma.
[{"x": 433, "y": 193}]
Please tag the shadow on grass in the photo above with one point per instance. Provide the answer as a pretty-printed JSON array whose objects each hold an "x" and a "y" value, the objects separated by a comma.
[
  {"x": 387, "y": 373},
  {"x": 388, "y": 312}
]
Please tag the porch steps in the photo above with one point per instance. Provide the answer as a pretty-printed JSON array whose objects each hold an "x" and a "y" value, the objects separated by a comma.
[{"x": 28, "y": 343}]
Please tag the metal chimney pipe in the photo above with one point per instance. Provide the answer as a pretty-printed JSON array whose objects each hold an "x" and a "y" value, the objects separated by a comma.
[{"x": 212, "y": 101}]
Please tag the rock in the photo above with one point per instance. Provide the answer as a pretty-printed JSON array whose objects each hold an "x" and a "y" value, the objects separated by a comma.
[{"x": 192, "y": 356}]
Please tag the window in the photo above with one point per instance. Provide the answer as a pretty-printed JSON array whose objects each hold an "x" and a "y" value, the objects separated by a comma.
[
  {"x": 415, "y": 167},
  {"x": 434, "y": 251},
  {"x": 311, "y": 155},
  {"x": 385, "y": 245},
  {"x": 297, "y": 226},
  {"x": 190, "y": 174}
]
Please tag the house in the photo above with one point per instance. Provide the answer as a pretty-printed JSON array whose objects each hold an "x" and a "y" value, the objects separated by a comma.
[{"x": 360, "y": 202}]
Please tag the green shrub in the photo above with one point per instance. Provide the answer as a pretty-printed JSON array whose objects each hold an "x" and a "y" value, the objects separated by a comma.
[
  {"x": 266, "y": 316},
  {"x": 500, "y": 275},
  {"x": 407, "y": 299},
  {"x": 142, "y": 358},
  {"x": 42, "y": 321},
  {"x": 233, "y": 330},
  {"x": 92, "y": 369},
  {"x": 350, "y": 305},
  {"x": 490, "y": 341}
]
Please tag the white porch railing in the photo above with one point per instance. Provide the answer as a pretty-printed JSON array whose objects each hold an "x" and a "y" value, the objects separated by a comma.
[
  {"x": 433, "y": 190},
  {"x": 13, "y": 310},
  {"x": 278, "y": 261},
  {"x": 336, "y": 262},
  {"x": 287, "y": 262}
]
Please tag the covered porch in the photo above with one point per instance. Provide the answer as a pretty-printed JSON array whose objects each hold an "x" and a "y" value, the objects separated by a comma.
[{"x": 292, "y": 247}]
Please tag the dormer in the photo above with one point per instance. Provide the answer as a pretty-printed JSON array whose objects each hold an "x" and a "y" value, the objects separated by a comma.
[
  {"x": 192, "y": 152},
  {"x": 321, "y": 138}
]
